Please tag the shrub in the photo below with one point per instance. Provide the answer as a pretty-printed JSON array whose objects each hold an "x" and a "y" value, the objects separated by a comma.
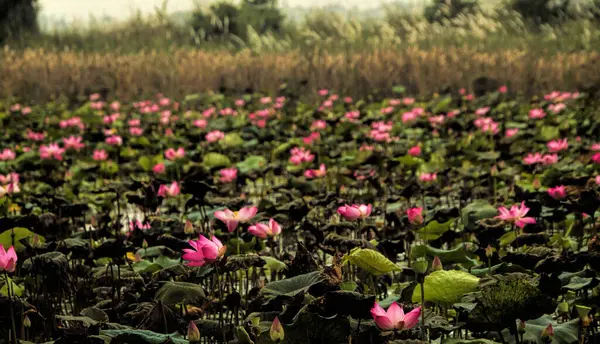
[{"x": 440, "y": 10}]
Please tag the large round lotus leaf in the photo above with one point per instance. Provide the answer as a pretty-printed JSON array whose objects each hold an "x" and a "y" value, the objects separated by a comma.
[{"x": 446, "y": 287}]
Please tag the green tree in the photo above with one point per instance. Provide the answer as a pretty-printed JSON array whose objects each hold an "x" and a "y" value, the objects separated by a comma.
[
  {"x": 439, "y": 10},
  {"x": 548, "y": 11},
  {"x": 17, "y": 17}
]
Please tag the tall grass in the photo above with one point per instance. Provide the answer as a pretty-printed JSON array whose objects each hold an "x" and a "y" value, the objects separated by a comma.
[{"x": 37, "y": 75}]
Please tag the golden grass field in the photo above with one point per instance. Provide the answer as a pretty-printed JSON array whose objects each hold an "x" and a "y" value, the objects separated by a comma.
[{"x": 38, "y": 75}]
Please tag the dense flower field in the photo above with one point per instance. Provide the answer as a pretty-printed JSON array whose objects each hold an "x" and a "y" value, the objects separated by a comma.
[{"x": 255, "y": 219}]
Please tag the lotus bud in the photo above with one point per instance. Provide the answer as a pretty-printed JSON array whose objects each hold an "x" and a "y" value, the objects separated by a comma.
[
  {"x": 188, "y": 228},
  {"x": 563, "y": 307},
  {"x": 537, "y": 184},
  {"x": 436, "y": 265},
  {"x": 144, "y": 244},
  {"x": 36, "y": 242},
  {"x": 521, "y": 326},
  {"x": 276, "y": 332},
  {"x": 420, "y": 266},
  {"x": 489, "y": 251},
  {"x": 548, "y": 333},
  {"x": 137, "y": 258},
  {"x": 193, "y": 334},
  {"x": 26, "y": 322},
  {"x": 494, "y": 171}
]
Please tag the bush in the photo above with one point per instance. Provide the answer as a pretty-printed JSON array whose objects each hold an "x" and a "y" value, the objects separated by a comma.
[{"x": 440, "y": 10}]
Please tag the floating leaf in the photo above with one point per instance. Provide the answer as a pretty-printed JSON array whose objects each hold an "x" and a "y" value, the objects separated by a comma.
[
  {"x": 252, "y": 163},
  {"x": 172, "y": 293},
  {"x": 6, "y": 238},
  {"x": 274, "y": 264},
  {"x": 212, "y": 160},
  {"x": 433, "y": 230},
  {"x": 475, "y": 211},
  {"x": 292, "y": 286}
]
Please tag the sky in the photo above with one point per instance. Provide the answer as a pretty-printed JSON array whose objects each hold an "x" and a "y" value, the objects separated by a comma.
[{"x": 122, "y": 9}]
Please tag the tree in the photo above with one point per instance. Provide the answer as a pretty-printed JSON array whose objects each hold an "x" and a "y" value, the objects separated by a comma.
[
  {"x": 17, "y": 17},
  {"x": 439, "y": 10},
  {"x": 547, "y": 11}
]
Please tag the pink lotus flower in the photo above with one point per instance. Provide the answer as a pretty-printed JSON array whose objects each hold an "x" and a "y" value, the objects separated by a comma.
[
  {"x": 516, "y": 215},
  {"x": 9, "y": 184},
  {"x": 532, "y": 158},
  {"x": 511, "y": 132},
  {"x": 110, "y": 119},
  {"x": 482, "y": 111},
  {"x": 597, "y": 180},
  {"x": 114, "y": 140},
  {"x": 264, "y": 230},
  {"x": 233, "y": 218},
  {"x": 8, "y": 259},
  {"x": 380, "y": 136},
  {"x": 169, "y": 190},
  {"x": 134, "y": 122},
  {"x": 314, "y": 136},
  {"x": 427, "y": 177},
  {"x": 73, "y": 142},
  {"x": 409, "y": 117},
  {"x": 366, "y": 148},
  {"x": 549, "y": 159},
  {"x": 323, "y": 92},
  {"x": 327, "y": 104},
  {"x": 300, "y": 155},
  {"x": 26, "y": 110},
  {"x": 387, "y": 110},
  {"x": 503, "y": 89},
  {"x": 415, "y": 215},
  {"x": 94, "y": 97},
  {"x": 462, "y": 91},
  {"x": 395, "y": 102},
  {"x": 203, "y": 251},
  {"x": 355, "y": 211},
  {"x": 240, "y": 103},
  {"x": 136, "y": 131},
  {"x": 228, "y": 112},
  {"x": 172, "y": 154},
  {"x": 321, "y": 172},
  {"x": 558, "y": 192},
  {"x": 453, "y": 113},
  {"x": 7, "y": 154},
  {"x": 394, "y": 318},
  {"x": 51, "y": 151},
  {"x": 200, "y": 123},
  {"x": 115, "y": 106},
  {"x": 596, "y": 147},
  {"x": 159, "y": 168},
  {"x": 15, "y": 107},
  {"x": 557, "y": 108},
  {"x": 33, "y": 136},
  {"x": 100, "y": 155},
  {"x": 414, "y": 150},
  {"x": 71, "y": 122},
  {"x": 352, "y": 116},
  {"x": 215, "y": 136},
  {"x": 347, "y": 100},
  {"x": 537, "y": 113},
  {"x": 557, "y": 145},
  {"x": 164, "y": 102},
  {"x": 228, "y": 175},
  {"x": 596, "y": 158},
  {"x": 436, "y": 120},
  {"x": 265, "y": 100},
  {"x": 318, "y": 125}
]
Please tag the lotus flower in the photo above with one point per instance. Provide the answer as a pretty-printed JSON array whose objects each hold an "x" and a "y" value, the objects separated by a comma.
[
  {"x": 263, "y": 230},
  {"x": 318, "y": 125},
  {"x": 51, "y": 151},
  {"x": 300, "y": 155},
  {"x": 415, "y": 215},
  {"x": 172, "y": 154},
  {"x": 503, "y": 89},
  {"x": 233, "y": 218},
  {"x": 321, "y": 172},
  {"x": 200, "y": 123},
  {"x": 355, "y": 211},
  {"x": 114, "y": 140},
  {"x": 228, "y": 175},
  {"x": 414, "y": 151},
  {"x": 516, "y": 215},
  {"x": 482, "y": 111},
  {"x": 170, "y": 190},
  {"x": 73, "y": 142},
  {"x": 7, "y": 154},
  {"x": 203, "y": 251},
  {"x": 214, "y": 136},
  {"x": 136, "y": 131},
  {"x": 511, "y": 132},
  {"x": 314, "y": 136},
  {"x": 159, "y": 168},
  {"x": 557, "y": 145},
  {"x": 33, "y": 136},
  {"x": 536, "y": 113},
  {"x": 558, "y": 192},
  {"x": 596, "y": 158},
  {"x": 394, "y": 318},
  {"x": 549, "y": 159},
  {"x": 532, "y": 158},
  {"x": 323, "y": 92},
  {"x": 139, "y": 225},
  {"x": 427, "y": 177},
  {"x": 100, "y": 155},
  {"x": 8, "y": 259}
]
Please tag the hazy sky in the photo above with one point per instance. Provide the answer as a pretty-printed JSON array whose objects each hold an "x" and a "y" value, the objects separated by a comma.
[{"x": 81, "y": 9}]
